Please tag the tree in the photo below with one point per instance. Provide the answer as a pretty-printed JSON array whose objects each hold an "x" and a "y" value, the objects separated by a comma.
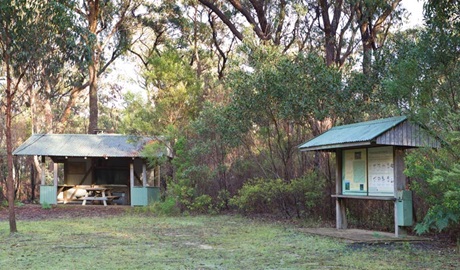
[
  {"x": 173, "y": 97},
  {"x": 374, "y": 18},
  {"x": 279, "y": 97},
  {"x": 108, "y": 36},
  {"x": 422, "y": 79},
  {"x": 24, "y": 26}
]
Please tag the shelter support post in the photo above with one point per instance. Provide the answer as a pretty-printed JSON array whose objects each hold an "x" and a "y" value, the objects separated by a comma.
[
  {"x": 158, "y": 176},
  {"x": 131, "y": 174},
  {"x": 55, "y": 178},
  {"x": 144, "y": 175},
  {"x": 341, "y": 218},
  {"x": 340, "y": 209},
  {"x": 43, "y": 176}
]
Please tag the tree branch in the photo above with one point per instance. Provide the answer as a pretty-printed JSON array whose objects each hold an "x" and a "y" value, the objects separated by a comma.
[{"x": 224, "y": 18}]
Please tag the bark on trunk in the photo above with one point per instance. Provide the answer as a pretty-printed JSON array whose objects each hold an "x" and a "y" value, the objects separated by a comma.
[
  {"x": 9, "y": 147},
  {"x": 93, "y": 106},
  {"x": 93, "y": 18},
  {"x": 32, "y": 182}
]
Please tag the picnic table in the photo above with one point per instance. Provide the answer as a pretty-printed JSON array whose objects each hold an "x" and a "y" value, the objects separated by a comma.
[
  {"x": 97, "y": 194},
  {"x": 105, "y": 193},
  {"x": 68, "y": 193}
]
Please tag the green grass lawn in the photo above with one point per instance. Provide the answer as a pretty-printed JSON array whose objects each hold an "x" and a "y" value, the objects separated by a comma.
[{"x": 133, "y": 241}]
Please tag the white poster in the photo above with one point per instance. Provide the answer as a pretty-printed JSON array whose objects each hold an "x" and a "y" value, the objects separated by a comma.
[{"x": 381, "y": 171}]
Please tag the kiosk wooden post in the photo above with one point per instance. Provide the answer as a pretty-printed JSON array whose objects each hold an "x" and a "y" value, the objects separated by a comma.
[{"x": 341, "y": 217}]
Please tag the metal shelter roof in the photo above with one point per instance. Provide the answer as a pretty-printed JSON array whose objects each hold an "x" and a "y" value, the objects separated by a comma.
[
  {"x": 82, "y": 145},
  {"x": 388, "y": 131}
]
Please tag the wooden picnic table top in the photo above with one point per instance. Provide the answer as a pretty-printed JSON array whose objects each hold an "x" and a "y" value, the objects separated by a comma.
[{"x": 97, "y": 188}]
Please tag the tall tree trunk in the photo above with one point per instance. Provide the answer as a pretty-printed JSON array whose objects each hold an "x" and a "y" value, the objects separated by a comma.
[
  {"x": 370, "y": 29},
  {"x": 93, "y": 106},
  {"x": 32, "y": 182},
  {"x": 93, "y": 17},
  {"x": 9, "y": 145},
  {"x": 48, "y": 110},
  {"x": 330, "y": 28}
]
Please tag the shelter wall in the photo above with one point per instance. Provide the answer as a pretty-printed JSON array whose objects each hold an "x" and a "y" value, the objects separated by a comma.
[
  {"x": 75, "y": 170},
  {"x": 105, "y": 171},
  {"x": 111, "y": 171}
]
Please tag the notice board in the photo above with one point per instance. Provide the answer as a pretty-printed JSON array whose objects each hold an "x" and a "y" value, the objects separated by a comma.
[
  {"x": 381, "y": 171},
  {"x": 354, "y": 172},
  {"x": 368, "y": 171}
]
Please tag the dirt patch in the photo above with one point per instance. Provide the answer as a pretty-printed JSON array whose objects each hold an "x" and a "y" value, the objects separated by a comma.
[
  {"x": 364, "y": 236},
  {"x": 365, "y": 239},
  {"x": 36, "y": 212}
]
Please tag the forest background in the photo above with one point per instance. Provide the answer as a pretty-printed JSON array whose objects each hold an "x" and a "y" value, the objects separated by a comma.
[{"x": 234, "y": 87}]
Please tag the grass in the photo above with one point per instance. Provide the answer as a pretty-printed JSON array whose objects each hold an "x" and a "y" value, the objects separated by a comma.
[{"x": 135, "y": 241}]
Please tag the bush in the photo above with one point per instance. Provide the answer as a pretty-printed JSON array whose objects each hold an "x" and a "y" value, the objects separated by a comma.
[
  {"x": 46, "y": 205},
  {"x": 168, "y": 207},
  {"x": 276, "y": 196},
  {"x": 201, "y": 204},
  {"x": 440, "y": 188}
]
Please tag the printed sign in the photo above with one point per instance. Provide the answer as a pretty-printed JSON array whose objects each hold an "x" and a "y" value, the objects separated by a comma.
[{"x": 381, "y": 171}]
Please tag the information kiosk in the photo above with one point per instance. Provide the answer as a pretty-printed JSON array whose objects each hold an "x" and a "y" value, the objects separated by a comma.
[{"x": 370, "y": 163}]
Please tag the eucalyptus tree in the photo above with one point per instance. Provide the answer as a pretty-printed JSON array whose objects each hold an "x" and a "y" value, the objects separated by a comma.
[
  {"x": 331, "y": 25},
  {"x": 330, "y": 28},
  {"x": 109, "y": 33},
  {"x": 282, "y": 23},
  {"x": 25, "y": 25},
  {"x": 374, "y": 19},
  {"x": 279, "y": 98},
  {"x": 182, "y": 52}
]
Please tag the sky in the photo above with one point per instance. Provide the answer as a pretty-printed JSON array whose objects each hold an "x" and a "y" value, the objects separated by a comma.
[{"x": 415, "y": 10}]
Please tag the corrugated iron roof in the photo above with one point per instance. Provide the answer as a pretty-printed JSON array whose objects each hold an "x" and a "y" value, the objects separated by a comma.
[
  {"x": 354, "y": 134},
  {"x": 82, "y": 145}
]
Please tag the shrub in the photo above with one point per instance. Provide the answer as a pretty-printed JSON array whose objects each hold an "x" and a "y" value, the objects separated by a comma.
[
  {"x": 440, "y": 188},
  {"x": 201, "y": 204},
  {"x": 46, "y": 205},
  {"x": 168, "y": 207},
  {"x": 276, "y": 196}
]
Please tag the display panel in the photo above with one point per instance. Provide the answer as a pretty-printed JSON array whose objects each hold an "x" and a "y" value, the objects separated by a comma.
[
  {"x": 381, "y": 171},
  {"x": 354, "y": 172},
  {"x": 368, "y": 171}
]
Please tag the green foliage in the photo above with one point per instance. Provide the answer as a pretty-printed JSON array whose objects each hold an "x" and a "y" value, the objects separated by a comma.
[
  {"x": 439, "y": 185},
  {"x": 168, "y": 207},
  {"x": 187, "y": 186},
  {"x": 284, "y": 87},
  {"x": 16, "y": 203},
  {"x": 174, "y": 97},
  {"x": 275, "y": 196},
  {"x": 46, "y": 205},
  {"x": 420, "y": 79},
  {"x": 277, "y": 101},
  {"x": 444, "y": 196},
  {"x": 156, "y": 152},
  {"x": 175, "y": 89},
  {"x": 201, "y": 204}
]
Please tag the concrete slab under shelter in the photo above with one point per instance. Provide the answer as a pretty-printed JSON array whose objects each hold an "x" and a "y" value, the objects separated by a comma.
[{"x": 363, "y": 236}]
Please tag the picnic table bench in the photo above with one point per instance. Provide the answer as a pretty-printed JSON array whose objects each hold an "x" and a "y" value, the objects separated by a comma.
[{"x": 98, "y": 194}]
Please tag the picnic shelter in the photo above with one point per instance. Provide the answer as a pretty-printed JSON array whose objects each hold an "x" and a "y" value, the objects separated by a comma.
[{"x": 81, "y": 163}]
